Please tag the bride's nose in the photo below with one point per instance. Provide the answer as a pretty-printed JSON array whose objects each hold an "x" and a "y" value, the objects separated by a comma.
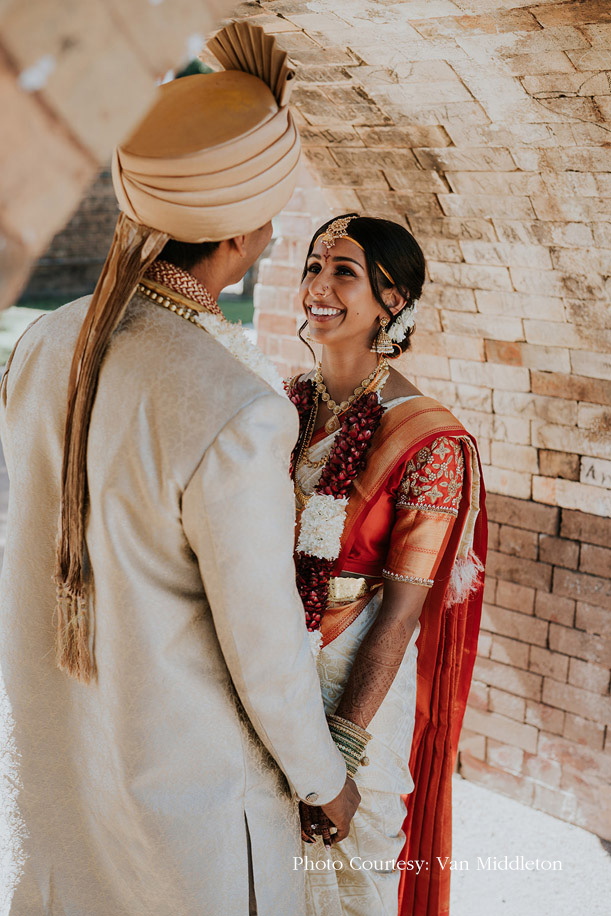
[{"x": 319, "y": 286}]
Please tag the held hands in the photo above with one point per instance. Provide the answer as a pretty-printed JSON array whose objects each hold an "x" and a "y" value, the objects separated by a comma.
[{"x": 331, "y": 821}]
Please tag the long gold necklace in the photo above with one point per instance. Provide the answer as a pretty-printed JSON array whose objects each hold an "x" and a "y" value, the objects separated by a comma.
[
  {"x": 336, "y": 409},
  {"x": 305, "y": 445}
]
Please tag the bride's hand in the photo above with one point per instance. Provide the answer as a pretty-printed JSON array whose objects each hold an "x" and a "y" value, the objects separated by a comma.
[{"x": 315, "y": 822}]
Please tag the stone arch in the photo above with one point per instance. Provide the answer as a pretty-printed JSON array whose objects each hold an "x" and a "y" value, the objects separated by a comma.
[{"x": 485, "y": 125}]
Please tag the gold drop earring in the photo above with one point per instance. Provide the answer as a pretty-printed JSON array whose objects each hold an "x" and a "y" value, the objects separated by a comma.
[{"x": 382, "y": 344}]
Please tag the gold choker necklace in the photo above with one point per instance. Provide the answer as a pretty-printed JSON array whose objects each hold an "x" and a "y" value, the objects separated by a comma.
[{"x": 366, "y": 385}]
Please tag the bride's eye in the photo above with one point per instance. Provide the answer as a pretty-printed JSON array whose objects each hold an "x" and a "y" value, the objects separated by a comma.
[
  {"x": 345, "y": 271},
  {"x": 313, "y": 268}
]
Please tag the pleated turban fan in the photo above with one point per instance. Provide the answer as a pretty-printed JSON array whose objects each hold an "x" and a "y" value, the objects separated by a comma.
[{"x": 215, "y": 157}]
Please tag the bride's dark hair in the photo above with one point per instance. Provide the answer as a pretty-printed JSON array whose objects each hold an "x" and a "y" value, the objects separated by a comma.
[{"x": 395, "y": 249}]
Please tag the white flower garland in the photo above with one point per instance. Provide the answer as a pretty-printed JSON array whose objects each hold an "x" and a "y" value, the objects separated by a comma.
[
  {"x": 322, "y": 526},
  {"x": 233, "y": 338},
  {"x": 403, "y": 322}
]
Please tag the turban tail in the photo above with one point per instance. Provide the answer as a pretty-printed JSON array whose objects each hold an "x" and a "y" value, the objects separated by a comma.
[{"x": 215, "y": 157}]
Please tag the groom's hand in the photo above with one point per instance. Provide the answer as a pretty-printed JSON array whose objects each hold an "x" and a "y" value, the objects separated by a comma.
[{"x": 342, "y": 809}]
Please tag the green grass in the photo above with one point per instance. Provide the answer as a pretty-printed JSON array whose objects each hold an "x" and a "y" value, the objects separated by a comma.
[{"x": 238, "y": 310}]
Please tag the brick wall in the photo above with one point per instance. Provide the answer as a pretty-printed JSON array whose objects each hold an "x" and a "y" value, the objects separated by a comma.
[{"x": 486, "y": 127}]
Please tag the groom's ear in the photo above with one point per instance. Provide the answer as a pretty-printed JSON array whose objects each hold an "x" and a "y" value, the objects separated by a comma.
[
  {"x": 238, "y": 243},
  {"x": 394, "y": 300}
]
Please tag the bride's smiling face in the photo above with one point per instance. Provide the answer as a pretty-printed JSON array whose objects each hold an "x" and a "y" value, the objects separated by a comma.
[{"x": 337, "y": 298}]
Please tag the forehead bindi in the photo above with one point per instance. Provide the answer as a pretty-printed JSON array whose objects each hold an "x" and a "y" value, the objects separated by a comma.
[{"x": 342, "y": 250}]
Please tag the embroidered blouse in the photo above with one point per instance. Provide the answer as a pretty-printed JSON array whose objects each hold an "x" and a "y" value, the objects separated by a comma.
[{"x": 426, "y": 506}]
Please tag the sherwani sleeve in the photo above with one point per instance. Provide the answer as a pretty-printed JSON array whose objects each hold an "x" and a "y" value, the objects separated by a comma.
[{"x": 238, "y": 515}]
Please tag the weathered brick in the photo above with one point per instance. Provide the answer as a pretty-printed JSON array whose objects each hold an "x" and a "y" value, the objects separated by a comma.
[
  {"x": 595, "y": 471},
  {"x": 595, "y": 560},
  {"x": 595, "y": 417},
  {"x": 558, "y": 551},
  {"x": 506, "y": 704},
  {"x": 484, "y": 644},
  {"x": 580, "y": 526},
  {"x": 495, "y": 426},
  {"x": 502, "y": 649},
  {"x": 517, "y": 626},
  {"x": 594, "y": 678},
  {"x": 453, "y": 228},
  {"x": 502, "y": 729},
  {"x": 575, "y": 700},
  {"x": 523, "y": 514},
  {"x": 547, "y": 772},
  {"x": 559, "y": 464},
  {"x": 592, "y": 589},
  {"x": 470, "y": 275},
  {"x": 478, "y": 695},
  {"x": 505, "y": 756},
  {"x": 508, "y": 483},
  {"x": 518, "y": 457},
  {"x": 472, "y": 743},
  {"x": 577, "y": 643},
  {"x": 412, "y": 137},
  {"x": 474, "y": 159},
  {"x": 520, "y": 570},
  {"x": 592, "y": 734},
  {"x": 519, "y": 305},
  {"x": 482, "y": 773},
  {"x": 482, "y": 325},
  {"x": 552, "y": 607},
  {"x": 517, "y": 542},
  {"x": 545, "y": 717},
  {"x": 522, "y": 683},
  {"x": 535, "y": 407},
  {"x": 504, "y": 254},
  {"x": 571, "y": 495},
  {"x": 579, "y": 388},
  {"x": 488, "y": 206},
  {"x": 592, "y": 619},
  {"x": 550, "y": 664},
  {"x": 553, "y": 435},
  {"x": 597, "y": 365},
  {"x": 489, "y": 375},
  {"x": 515, "y": 597},
  {"x": 558, "y": 804}
]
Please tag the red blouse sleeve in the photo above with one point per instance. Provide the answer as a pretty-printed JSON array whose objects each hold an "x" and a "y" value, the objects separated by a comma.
[{"x": 426, "y": 507}]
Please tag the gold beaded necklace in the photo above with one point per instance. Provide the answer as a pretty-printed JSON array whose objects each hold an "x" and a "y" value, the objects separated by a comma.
[{"x": 337, "y": 409}]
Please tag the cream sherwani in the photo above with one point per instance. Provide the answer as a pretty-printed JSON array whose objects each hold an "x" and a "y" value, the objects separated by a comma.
[{"x": 139, "y": 795}]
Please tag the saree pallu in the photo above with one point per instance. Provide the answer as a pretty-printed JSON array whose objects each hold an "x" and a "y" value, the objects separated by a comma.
[{"x": 447, "y": 640}]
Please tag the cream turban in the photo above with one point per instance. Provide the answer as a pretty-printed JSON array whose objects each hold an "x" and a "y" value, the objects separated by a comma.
[{"x": 216, "y": 155}]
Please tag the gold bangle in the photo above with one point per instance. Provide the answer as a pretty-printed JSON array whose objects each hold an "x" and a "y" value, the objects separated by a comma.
[{"x": 351, "y": 741}]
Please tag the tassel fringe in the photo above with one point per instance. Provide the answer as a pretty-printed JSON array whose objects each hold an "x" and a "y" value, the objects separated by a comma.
[
  {"x": 466, "y": 579},
  {"x": 73, "y": 652}
]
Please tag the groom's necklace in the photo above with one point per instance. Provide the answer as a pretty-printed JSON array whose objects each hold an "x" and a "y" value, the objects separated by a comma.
[{"x": 175, "y": 302}]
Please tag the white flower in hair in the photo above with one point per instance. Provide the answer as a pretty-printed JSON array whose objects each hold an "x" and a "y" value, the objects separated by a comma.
[{"x": 403, "y": 322}]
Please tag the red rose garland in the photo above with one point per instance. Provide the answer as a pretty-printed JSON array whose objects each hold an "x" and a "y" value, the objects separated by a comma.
[{"x": 346, "y": 460}]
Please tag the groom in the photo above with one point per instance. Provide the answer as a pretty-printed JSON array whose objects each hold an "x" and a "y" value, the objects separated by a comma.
[{"x": 162, "y": 691}]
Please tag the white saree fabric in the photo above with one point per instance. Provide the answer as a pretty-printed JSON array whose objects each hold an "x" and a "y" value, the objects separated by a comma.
[{"x": 342, "y": 883}]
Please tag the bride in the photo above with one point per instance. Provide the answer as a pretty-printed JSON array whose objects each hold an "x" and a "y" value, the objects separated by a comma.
[{"x": 389, "y": 557}]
